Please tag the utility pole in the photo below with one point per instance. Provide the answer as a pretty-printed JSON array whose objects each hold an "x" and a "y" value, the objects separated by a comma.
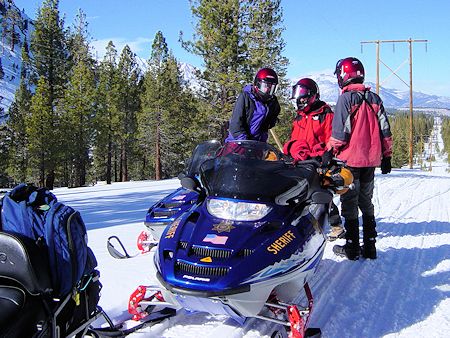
[{"x": 409, "y": 41}]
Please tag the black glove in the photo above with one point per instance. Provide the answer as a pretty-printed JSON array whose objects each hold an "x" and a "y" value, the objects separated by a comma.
[
  {"x": 326, "y": 158},
  {"x": 386, "y": 165}
]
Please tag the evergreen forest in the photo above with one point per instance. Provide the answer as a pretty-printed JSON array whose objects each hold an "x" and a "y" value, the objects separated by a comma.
[{"x": 76, "y": 120}]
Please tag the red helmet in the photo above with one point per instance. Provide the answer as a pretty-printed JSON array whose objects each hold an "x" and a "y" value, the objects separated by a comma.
[
  {"x": 265, "y": 83},
  {"x": 305, "y": 92},
  {"x": 349, "y": 70}
]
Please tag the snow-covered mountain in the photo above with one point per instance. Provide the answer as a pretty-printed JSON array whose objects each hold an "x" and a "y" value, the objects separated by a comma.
[{"x": 11, "y": 58}]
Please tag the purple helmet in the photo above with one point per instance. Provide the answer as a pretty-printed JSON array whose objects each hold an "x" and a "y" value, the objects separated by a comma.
[{"x": 349, "y": 70}]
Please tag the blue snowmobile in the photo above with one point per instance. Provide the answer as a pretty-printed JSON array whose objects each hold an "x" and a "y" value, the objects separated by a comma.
[{"x": 250, "y": 237}]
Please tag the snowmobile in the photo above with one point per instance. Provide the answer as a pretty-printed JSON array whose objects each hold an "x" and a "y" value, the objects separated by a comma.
[{"x": 251, "y": 238}]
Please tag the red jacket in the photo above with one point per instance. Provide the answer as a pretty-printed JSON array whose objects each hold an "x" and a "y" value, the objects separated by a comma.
[
  {"x": 310, "y": 132},
  {"x": 361, "y": 132}
]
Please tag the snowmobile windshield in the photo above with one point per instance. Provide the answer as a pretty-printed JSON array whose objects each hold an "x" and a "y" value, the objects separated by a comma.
[
  {"x": 247, "y": 170},
  {"x": 204, "y": 151}
]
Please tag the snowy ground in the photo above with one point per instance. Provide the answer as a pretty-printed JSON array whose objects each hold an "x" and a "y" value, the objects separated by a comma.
[{"x": 404, "y": 293}]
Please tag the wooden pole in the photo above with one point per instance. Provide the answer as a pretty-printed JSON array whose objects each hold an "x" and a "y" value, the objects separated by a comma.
[{"x": 277, "y": 140}]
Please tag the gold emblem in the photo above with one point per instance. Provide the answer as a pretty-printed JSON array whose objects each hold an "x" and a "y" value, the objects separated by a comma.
[
  {"x": 224, "y": 226},
  {"x": 206, "y": 260}
]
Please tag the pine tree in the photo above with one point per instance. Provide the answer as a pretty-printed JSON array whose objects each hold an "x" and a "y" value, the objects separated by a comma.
[
  {"x": 78, "y": 107},
  {"x": 154, "y": 101},
  {"x": 165, "y": 122},
  {"x": 18, "y": 158},
  {"x": 48, "y": 47},
  {"x": 399, "y": 126},
  {"x": 41, "y": 131},
  {"x": 12, "y": 19},
  {"x": 26, "y": 71},
  {"x": 107, "y": 117},
  {"x": 219, "y": 42},
  {"x": 128, "y": 105},
  {"x": 4, "y": 179},
  {"x": 235, "y": 39},
  {"x": 19, "y": 112}
]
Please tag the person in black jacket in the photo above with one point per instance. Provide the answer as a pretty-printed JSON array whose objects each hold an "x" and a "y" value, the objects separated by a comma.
[{"x": 256, "y": 109}]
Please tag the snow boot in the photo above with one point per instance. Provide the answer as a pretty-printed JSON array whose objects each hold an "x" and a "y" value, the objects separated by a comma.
[
  {"x": 368, "y": 249},
  {"x": 351, "y": 249}
]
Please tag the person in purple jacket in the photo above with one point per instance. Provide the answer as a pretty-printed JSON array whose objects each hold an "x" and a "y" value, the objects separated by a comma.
[
  {"x": 256, "y": 109},
  {"x": 361, "y": 137}
]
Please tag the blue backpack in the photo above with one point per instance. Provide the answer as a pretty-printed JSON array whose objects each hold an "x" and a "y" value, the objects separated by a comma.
[{"x": 59, "y": 229}]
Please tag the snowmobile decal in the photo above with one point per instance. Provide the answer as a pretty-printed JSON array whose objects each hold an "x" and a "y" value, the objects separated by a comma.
[
  {"x": 173, "y": 228},
  {"x": 281, "y": 242},
  {"x": 215, "y": 239},
  {"x": 201, "y": 279}
]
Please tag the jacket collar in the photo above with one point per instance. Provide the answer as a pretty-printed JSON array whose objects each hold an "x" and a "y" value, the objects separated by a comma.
[
  {"x": 317, "y": 108},
  {"x": 355, "y": 87}
]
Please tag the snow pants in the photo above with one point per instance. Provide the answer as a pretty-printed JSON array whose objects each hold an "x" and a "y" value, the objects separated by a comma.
[{"x": 361, "y": 196}]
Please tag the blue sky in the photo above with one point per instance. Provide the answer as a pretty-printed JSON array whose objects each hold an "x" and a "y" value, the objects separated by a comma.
[{"x": 317, "y": 34}]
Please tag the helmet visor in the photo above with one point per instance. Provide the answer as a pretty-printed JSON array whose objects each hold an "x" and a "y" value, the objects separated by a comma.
[
  {"x": 300, "y": 92},
  {"x": 267, "y": 88},
  {"x": 338, "y": 66}
]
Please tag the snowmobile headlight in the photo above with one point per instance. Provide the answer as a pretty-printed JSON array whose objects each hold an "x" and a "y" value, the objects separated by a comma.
[{"x": 237, "y": 211}]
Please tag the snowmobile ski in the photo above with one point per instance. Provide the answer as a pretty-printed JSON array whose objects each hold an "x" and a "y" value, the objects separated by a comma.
[
  {"x": 143, "y": 244},
  {"x": 153, "y": 318}
]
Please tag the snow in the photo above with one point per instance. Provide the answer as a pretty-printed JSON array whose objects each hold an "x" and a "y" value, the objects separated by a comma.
[{"x": 404, "y": 293}]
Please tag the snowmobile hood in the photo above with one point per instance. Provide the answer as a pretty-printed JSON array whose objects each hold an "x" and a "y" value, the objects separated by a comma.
[{"x": 201, "y": 252}]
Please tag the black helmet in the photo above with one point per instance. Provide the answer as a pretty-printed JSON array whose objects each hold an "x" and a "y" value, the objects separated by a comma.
[
  {"x": 305, "y": 92},
  {"x": 265, "y": 83},
  {"x": 349, "y": 70}
]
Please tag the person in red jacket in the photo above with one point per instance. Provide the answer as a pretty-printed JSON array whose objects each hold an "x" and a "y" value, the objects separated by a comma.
[
  {"x": 311, "y": 131},
  {"x": 361, "y": 136}
]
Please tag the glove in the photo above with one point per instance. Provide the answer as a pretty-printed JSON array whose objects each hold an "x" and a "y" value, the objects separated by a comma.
[
  {"x": 386, "y": 165},
  {"x": 326, "y": 158}
]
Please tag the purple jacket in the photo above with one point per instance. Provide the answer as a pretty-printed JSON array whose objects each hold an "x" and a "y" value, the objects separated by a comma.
[{"x": 252, "y": 119}]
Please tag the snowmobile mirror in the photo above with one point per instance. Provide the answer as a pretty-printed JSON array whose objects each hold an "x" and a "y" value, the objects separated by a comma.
[{"x": 113, "y": 251}]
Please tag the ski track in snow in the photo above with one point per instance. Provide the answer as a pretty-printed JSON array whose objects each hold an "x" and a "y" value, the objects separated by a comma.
[{"x": 404, "y": 293}]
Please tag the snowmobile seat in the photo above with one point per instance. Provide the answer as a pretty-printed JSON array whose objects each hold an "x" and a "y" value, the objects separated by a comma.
[
  {"x": 28, "y": 307},
  {"x": 24, "y": 263}
]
